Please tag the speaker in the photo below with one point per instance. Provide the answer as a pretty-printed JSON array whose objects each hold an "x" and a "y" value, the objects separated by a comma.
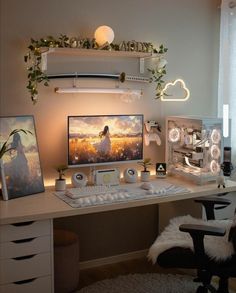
[
  {"x": 130, "y": 175},
  {"x": 79, "y": 179},
  {"x": 227, "y": 166}
]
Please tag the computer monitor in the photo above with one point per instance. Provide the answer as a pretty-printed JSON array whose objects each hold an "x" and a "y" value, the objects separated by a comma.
[{"x": 104, "y": 139}]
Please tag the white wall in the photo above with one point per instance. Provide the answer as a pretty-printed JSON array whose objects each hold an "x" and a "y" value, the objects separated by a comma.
[{"x": 189, "y": 28}]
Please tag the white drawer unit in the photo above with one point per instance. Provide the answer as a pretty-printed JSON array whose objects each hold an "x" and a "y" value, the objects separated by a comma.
[
  {"x": 26, "y": 257},
  {"x": 35, "y": 285}
]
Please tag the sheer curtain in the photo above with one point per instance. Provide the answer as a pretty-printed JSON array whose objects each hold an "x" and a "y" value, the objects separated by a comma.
[{"x": 227, "y": 67}]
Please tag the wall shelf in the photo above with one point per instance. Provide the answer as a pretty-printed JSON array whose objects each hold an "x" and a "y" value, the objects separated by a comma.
[{"x": 95, "y": 53}]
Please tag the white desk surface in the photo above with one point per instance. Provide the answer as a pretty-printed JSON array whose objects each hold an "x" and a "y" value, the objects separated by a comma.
[{"x": 47, "y": 206}]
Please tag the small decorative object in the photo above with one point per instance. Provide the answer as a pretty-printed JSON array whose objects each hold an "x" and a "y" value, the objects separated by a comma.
[
  {"x": 160, "y": 170},
  {"x": 60, "y": 183},
  {"x": 220, "y": 180},
  {"x": 145, "y": 174},
  {"x": 20, "y": 165},
  {"x": 104, "y": 34}
]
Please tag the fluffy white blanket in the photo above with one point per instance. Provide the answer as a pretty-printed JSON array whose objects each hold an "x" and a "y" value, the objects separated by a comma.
[{"x": 217, "y": 248}]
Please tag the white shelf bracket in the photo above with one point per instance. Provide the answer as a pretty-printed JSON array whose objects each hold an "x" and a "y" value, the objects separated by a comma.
[
  {"x": 141, "y": 65},
  {"x": 44, "y": 61}
]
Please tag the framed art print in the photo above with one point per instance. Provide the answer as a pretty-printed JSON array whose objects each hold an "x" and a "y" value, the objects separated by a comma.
[{"x": 21, "y": 173}]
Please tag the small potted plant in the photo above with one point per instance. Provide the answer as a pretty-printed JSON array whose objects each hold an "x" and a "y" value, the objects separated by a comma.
[
  {"x": 145, "y": 174},
  {"x": 60, "y": 183}
]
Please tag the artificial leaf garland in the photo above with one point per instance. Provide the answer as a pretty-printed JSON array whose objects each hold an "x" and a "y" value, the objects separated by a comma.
[{"x": 37, "y": 76}]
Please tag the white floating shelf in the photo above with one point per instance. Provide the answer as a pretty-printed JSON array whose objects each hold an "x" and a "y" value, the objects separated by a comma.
[{"x": 96, "y": 53}]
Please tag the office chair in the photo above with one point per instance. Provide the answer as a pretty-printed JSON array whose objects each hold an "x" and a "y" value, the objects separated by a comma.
[{"x": 192, "y": 251}]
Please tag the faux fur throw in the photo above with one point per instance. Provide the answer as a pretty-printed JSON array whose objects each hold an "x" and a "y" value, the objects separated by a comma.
[{"x": 217, "y": 248}]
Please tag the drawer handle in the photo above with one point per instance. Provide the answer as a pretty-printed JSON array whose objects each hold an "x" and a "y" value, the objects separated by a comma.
[
  {"x": 24, "y": 257},
  {"x": 23, "y": 224},
  {"x": 24, "y": 240},
  {"x": 25, "y": 281}
]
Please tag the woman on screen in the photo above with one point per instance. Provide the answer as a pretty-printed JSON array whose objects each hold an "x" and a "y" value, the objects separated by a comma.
[{"x": 104, "y": 147}]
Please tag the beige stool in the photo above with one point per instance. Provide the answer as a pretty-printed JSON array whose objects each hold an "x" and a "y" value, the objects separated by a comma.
[{"x": 66, "y": 261}]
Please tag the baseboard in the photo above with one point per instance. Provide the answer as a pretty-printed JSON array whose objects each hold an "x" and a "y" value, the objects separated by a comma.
[{"x": 113, "y": 259}]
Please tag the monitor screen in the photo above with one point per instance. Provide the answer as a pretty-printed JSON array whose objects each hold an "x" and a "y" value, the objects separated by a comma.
[{"x": 104, "y": 139}]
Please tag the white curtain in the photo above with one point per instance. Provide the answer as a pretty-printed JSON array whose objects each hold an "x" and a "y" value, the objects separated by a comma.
[{"x": 227, "y": 67}]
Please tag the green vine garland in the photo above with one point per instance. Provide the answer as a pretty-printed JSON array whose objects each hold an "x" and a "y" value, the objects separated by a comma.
[{"x": 34, "y": 60}]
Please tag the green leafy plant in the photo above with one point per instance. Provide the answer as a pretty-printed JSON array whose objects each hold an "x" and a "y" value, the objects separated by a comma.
[
  {"x": 145, "y": 164},
  {"x": 61, "y": 171},
  {"x": 34, "y": 60},
  {"x": 159, "y": 72},
  {"x": 6, "y": 146}
]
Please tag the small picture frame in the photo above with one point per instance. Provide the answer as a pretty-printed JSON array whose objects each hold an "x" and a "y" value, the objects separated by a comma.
[{"x": 20, "y": 167}]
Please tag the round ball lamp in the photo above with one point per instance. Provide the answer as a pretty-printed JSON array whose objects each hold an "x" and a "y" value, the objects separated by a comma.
[{"x": 104, "y": 34}]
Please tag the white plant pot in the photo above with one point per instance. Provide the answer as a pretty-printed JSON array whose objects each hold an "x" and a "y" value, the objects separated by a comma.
[
  {"x": 60, "y": 184},
  {"x": 145, "y": 176}
]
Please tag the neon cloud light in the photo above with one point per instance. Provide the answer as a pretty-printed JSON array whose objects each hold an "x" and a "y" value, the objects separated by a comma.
[{"x": 179, "y": 99}]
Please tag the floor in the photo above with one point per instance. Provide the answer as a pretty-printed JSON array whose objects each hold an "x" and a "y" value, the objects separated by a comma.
[{"x": 92, "y": 275}]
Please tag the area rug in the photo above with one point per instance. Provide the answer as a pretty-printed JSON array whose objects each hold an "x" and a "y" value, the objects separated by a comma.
[{"x": 144, "y": 283}]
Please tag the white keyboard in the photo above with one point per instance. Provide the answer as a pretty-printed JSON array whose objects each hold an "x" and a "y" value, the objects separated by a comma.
[
  {"x": 100, "y": 195},
  {"x": 85, "y": 191}
]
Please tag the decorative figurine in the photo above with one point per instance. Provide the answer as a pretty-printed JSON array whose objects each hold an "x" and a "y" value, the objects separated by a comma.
[{"x": 220, "y": 180}]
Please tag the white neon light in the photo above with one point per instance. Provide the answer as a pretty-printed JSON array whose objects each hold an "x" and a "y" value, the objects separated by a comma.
[
  {"x": 225, "y": 120},
  {"x": 180, "y": 99},
  {"x": 76, "y": 90}
]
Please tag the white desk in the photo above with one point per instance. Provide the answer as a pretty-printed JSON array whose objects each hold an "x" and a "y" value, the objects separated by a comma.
[
  {"x": 42, "y": 209},
  {"x": 47, "y": 206}
]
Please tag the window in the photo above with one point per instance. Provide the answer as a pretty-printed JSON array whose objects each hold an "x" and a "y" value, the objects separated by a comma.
[{"x": 227, "y": 67}]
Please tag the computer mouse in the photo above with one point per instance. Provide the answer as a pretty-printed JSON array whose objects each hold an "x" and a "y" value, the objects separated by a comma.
[{"x": 147, "y": 186}]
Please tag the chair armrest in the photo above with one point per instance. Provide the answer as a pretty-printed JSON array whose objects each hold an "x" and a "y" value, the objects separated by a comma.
[
  {"x": 210, "y": 202},
  {"x": 213, "y": 199},
  {"x": 202, "y": 229},
  {"x": 197, "y": 233}
]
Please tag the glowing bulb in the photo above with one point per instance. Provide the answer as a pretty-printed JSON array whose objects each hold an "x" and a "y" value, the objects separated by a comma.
[
  {"x": 104, "y": 34},
  {"x": 183, "y": 98}
]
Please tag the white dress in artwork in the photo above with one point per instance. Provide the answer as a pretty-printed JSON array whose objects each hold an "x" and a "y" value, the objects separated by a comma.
[{"x": 104, "y": 146}]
